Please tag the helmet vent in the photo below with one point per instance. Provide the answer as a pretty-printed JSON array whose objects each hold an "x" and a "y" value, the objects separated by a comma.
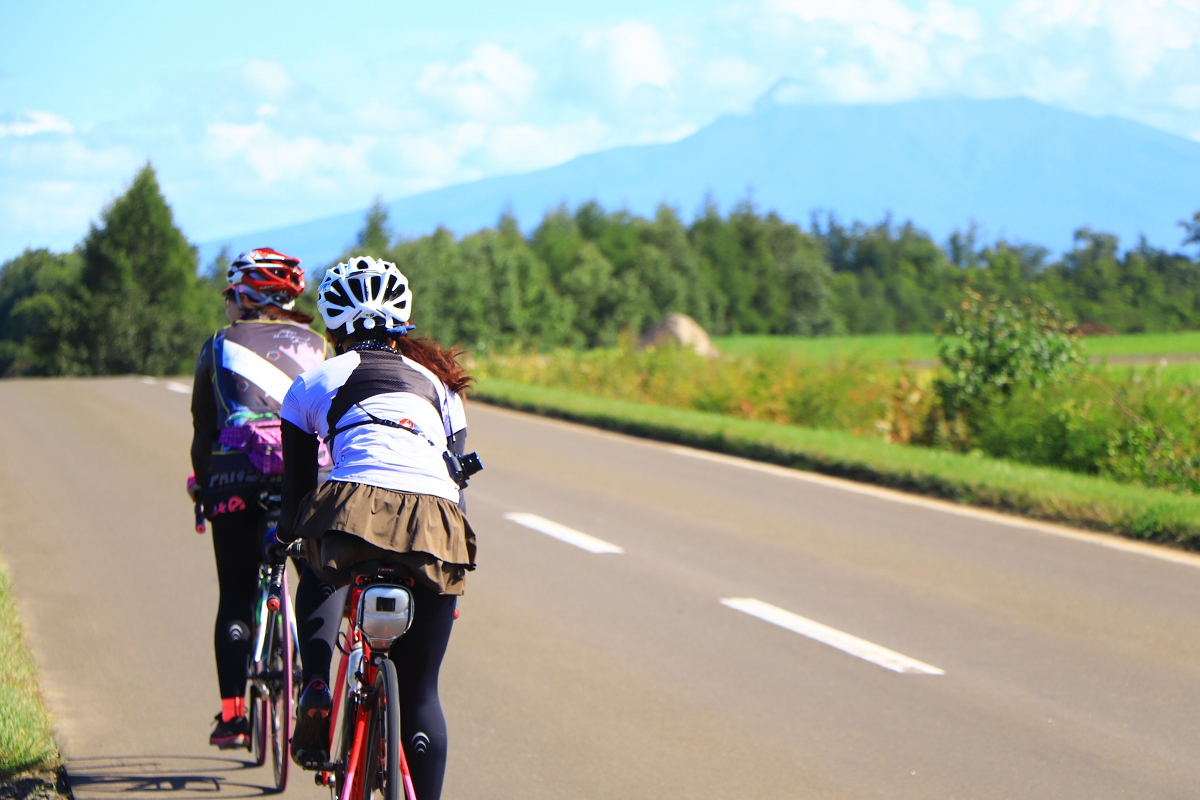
[{"x": 363, "y": 293}]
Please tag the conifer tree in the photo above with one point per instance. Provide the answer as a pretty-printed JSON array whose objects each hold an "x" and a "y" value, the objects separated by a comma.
[
  {"x": 375, "y": 237},
  {"x": 139, "y": 300}
]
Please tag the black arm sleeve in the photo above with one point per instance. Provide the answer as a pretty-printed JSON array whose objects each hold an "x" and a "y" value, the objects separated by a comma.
[
  {"x": 458, "y": 446},
  {"x": 299, "y": 476},
  {"x": 204, "y": 416}
]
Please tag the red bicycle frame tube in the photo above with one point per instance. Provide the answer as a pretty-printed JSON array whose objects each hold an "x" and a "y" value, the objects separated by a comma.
[
  {"x": 352, "y": 784},
  {"x": 352, "y": 638}
]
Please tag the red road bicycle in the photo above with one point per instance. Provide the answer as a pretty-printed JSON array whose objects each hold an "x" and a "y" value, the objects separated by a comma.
[{"x": 364, "y": 725}]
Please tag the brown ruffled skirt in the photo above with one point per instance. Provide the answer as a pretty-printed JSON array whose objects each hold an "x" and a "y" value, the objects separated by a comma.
[{"x": 345, "y": 525}]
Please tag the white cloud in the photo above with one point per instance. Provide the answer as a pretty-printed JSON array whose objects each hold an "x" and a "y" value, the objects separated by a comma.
[
  {"x": 35, "y": 122},
  {"x": 871, "y": 50},
  {"x": 523, "y": 147},
  {"x": 267, "y": 78},
  {"x": 274, "y": 157},
  {"x": 1121, "y": 57},
  {"x": 254, "y": 144},
  {"x": 51, "y": 187},
  {"x": 635, "y": 56},
  {"x": 730, "y": 74},
  {"x": 731, "y": 77},
  {"x": 1141, "y": 32},
  {"x": 228, "y": 139},
  {"x": 888, "y": 14},
  {"x": 945, "y": 18},
  {"x": 1187, "y": 96},
  {"x": 491, "y": 83}
]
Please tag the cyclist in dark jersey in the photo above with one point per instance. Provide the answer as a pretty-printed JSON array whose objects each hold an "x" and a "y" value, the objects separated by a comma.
[{"x": 242, "y": 376}]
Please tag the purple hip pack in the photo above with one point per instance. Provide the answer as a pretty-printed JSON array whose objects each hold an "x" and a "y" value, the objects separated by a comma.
[{"x": 262, "y": 442}]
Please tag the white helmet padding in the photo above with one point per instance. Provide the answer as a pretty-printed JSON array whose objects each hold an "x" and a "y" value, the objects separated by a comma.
[{"x": 364, "y": 291}]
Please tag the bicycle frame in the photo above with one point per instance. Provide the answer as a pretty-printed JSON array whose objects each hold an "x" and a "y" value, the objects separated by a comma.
[
  {"x": 269, "y": 686},
  {"x": 360, "y": 684},
  {"x": 272, "y": 574}
]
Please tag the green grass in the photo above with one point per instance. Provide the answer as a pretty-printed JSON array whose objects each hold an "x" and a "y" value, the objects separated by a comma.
[
  {"x": 1145, "y": 344},
  {"x": 1177, "y": 374},
  {"x": 923, "y": 346},
  {"x": 25, "y": 739},
  {"x": 886, "y": 347},
  {"x": 1050, "y": 494}
]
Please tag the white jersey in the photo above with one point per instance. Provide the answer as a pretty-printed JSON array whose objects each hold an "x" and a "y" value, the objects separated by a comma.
[{"x": 344, "y": 393}]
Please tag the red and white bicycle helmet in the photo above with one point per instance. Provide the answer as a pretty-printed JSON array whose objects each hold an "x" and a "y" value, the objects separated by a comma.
[{"x": 266, "y": 276}]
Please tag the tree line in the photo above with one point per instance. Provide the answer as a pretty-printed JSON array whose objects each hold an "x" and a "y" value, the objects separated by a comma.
[
  {"x": 583, "y": 277},
  {"x": 130, "y": 298}
]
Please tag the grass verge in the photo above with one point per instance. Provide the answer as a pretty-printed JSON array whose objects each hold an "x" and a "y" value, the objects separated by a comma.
[
  {"x": 26, "y": 744},
  {"x": 1089, "y": 502},
  {"x": 923, "y": 346}
]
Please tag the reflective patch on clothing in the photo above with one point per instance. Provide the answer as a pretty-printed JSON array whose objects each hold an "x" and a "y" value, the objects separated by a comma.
[
  {"x": 230, "y": 505},
  {"x": 258, "y": 370}
]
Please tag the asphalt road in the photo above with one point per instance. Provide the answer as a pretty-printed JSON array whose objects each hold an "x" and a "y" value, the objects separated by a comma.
[{"x": 1071, "y": 670}]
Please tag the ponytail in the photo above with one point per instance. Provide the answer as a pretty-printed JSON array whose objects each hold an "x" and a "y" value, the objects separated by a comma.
[{"x": 442, "y": 363}]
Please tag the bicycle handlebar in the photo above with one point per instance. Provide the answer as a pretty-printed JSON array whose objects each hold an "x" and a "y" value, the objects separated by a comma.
[{"x": 199, "y": 517}]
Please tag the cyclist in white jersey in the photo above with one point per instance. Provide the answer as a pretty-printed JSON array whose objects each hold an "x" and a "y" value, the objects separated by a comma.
[{"x": 390, "y": 409}]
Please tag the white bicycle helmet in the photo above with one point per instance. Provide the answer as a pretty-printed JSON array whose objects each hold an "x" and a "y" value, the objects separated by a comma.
[{"x": 366, "y": 292}]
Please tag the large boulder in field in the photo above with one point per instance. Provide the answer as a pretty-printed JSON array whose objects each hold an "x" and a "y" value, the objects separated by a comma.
[{"x": 682, "y": 330}]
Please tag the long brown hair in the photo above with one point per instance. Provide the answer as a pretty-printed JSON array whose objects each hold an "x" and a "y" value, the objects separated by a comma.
[
  {"x": 423, "y": 350},
  {"x": 442, "y": 363}
]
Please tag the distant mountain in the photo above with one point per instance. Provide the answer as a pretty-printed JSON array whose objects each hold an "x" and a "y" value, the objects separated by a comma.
[{"x": 1020, "y": 169}]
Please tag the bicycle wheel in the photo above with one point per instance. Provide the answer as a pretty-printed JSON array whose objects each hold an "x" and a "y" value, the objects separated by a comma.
[
  {"x": 281, "y": 695},
  {"x": 381, "y": 768},
  {"x": 259, "y": 725},
  {"x": 257, "y": 711}
]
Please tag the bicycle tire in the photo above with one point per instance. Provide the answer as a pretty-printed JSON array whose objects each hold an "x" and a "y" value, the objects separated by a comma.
[
  {"x": 282, "y": 695},
  {"x": 383, "y": 738},
  {"x": 256, "y": 711},
  {"x": 256, "y": 706}
]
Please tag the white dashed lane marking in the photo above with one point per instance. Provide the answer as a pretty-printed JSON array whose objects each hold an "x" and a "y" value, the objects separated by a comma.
[
  {"x": 563, "y": 533},
  {"x": 178, "y": 388},
  {"x": 868, "y": 651}
]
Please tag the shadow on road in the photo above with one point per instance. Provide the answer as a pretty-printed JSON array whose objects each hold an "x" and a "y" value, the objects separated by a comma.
[{"x": 180, "y": 776}]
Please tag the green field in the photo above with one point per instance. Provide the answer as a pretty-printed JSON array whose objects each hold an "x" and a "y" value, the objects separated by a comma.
[{"x": 923, "y": 346}]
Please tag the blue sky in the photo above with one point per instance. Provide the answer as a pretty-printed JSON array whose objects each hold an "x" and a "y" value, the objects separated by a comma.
[{"x": 269, "y": 113}]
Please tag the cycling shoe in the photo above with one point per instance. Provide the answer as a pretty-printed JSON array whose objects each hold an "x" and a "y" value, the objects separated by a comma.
[
  {"x": 310, "y": 739},
  {"x": 232, "y": 734}
]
